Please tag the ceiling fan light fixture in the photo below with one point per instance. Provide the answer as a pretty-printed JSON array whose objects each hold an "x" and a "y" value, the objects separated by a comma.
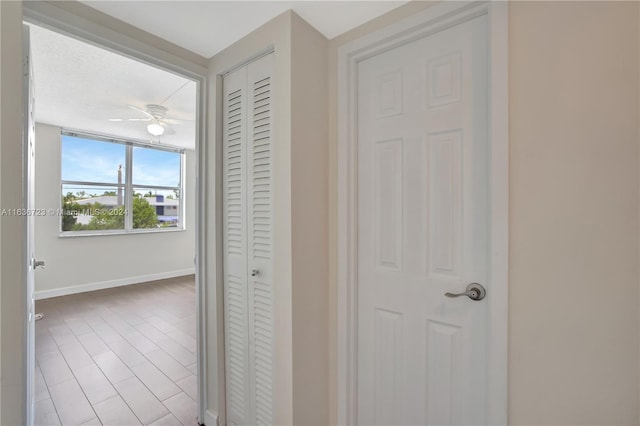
[{"x": 155, "y": 129}]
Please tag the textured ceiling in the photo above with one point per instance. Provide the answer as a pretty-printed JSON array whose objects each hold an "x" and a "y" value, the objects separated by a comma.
[
  {"x": 80, "y": 86},
  {"x": 207, "y": 27}
]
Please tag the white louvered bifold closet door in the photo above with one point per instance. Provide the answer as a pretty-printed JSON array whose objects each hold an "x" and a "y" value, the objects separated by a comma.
[
  {"x": 260, "y": 230},
  {"x": 238, "y": 381},
  {"x": 248, "y": 229}
]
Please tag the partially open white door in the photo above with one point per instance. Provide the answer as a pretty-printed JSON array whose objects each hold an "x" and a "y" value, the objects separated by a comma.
[
  {"x": 28, "y": 141},
  {"x": 423, "y": 230}
]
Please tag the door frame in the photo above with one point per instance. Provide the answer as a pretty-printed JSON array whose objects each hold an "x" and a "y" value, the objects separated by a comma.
[
  {"x": 433, "y": 19},
  {"x": 66, "y": 22}
]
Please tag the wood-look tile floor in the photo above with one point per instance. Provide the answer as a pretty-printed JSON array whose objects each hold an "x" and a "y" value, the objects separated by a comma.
[{"x": 122, "y": 356}]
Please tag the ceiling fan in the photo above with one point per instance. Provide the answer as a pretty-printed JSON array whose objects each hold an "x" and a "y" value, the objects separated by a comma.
[{"x": 156, "y": 116}]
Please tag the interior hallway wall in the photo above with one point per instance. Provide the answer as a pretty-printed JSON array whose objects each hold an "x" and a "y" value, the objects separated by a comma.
[
  {"x": 574, "y": 330},
  {"x": 12, "y": 293},
  {"x": 76, "y": 264},
  {"x": 574, "y": 210}
]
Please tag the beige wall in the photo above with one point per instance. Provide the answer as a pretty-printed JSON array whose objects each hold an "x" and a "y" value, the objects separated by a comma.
[
  {"x": 1, "y": 120},
  {"x": 12, "y": 325},
  {"x": 309, "y": 189},
  {"x": 573, "y": 353},
  {"x": 574, "y": 120}
]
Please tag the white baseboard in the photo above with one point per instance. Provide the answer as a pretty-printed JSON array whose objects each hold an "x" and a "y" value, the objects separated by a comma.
[
  {"x": 210, "y": 418},
  {"x": 64, "y": 291}
]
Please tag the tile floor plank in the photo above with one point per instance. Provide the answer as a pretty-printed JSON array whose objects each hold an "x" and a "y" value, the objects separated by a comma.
[
  {"x": 177, "y": 351},
  {"x": 55, "y": 370},
  {"x": 106, "y": 332},
  {"x": 112, "y": 367},
  {"x": 127, "y": 353},
  {"x": 161, "y": 386},
  {"x": 93, "y": 422},
  {"x": 77, "y": 326},
  {"x": 144, "y": 404},
  {"x": 168, "y": 420},
  {"x": 169, "y": 366},
  {"x": 93, "y": 344},
  {"x": 62, "y": 335},
  {"x": 115, "y": 412},
  {"x": 161, "y": 324},
  {"x": 95, "y": 385},
  {"x": 140, "y": 342},
  {"x": 72, "y": 406},
  {"x": 150, "y": 332},
  {"x": 45, "y": 344},
  {"x": 76, "y": 356},
  {"x": 184, "y": 339},
  {"x": 184, "y": 408},
  {"x": 41, "y": 392},
  {"x": 190, "y": 386},
  {"x": 45, "y": 413}
]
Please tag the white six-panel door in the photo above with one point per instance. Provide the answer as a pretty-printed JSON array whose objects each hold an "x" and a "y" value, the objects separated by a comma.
[
  {"x": 247, "y": 217},
  {"x": 423, "y": 220}
]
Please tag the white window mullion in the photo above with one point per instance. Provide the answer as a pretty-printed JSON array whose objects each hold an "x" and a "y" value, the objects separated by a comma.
[
  {"x": 181, "y": 191},
  {"x": 128, "y": 189}
]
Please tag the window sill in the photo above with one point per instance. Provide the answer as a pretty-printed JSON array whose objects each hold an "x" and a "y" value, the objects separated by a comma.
[{"x": 73, "y": 234}]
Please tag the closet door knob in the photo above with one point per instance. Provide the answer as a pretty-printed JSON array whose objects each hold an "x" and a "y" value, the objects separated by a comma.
[{"x": 254, "y": 272}]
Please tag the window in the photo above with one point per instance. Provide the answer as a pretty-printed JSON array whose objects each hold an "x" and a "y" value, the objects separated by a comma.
[{"x": 115, "y": 186}]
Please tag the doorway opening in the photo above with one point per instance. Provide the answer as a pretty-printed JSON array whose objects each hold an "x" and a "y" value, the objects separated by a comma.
[{"x": 117, "y": 151}]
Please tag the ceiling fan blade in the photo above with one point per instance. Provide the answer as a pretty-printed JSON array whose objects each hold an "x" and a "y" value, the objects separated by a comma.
[
  {"x": 129, "y": 119},
  {"x": 175, "y": 121},
  {"x": 168, "y": 129},
  {"x": 141, "y": 110},
  {"x": 179, "y": 119}
]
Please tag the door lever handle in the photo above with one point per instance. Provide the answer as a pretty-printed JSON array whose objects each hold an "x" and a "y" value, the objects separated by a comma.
[
  {"x": 38, "y": 264},
  {"x": 474, "y": 291}
]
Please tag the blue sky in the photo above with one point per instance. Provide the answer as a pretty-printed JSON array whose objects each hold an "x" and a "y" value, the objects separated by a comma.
[{"x": 95, "y": 161}]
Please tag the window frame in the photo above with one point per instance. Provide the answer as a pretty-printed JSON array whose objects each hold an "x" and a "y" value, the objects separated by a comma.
[{"x": 127, "y": 185}]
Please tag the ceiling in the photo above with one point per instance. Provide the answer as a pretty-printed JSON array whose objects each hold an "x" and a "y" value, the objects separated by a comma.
[
  {"x": 207, "y": 27},
  {"x": 80, "y": 86}
]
